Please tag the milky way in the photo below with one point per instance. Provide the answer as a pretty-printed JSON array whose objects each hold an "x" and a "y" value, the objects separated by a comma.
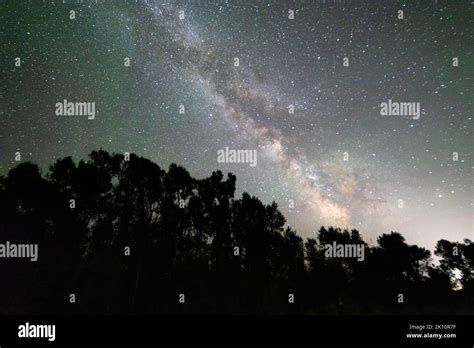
[{"x": 332, "y": 160}]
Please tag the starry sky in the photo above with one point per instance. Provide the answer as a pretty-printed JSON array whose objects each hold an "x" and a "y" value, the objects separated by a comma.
[{"x": 183, "y": 53}]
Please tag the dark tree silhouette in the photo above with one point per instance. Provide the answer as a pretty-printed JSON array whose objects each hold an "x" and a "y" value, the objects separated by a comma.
[{"x": 124, "y": 236}]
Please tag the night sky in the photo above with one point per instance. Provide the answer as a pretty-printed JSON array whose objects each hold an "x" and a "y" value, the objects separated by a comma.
[{"x": 301, "y": 165}]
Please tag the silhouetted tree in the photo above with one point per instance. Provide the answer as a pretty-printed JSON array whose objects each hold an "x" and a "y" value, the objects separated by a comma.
[{"x": 125, "y": 236}]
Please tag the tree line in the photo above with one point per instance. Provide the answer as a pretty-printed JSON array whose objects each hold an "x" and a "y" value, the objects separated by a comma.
[{"x": 121, "y": 235}]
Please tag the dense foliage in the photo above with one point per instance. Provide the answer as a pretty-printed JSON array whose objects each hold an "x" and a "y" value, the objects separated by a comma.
[{"x": 192, "y": 237}]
